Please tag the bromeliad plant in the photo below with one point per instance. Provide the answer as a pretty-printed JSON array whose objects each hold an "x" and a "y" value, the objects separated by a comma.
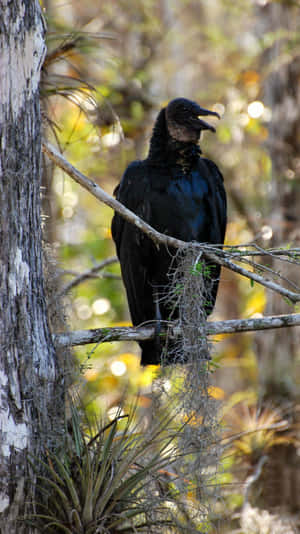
[
  {"x": 257, "y": 431},
  {"x": 109, "y": 483}
]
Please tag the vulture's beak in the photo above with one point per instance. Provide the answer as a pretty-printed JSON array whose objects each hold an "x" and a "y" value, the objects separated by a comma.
[{"x": 203, "y": 125}]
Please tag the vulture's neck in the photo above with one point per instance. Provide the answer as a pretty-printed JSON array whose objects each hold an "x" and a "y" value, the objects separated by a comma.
[{"x": 165, "y": 150}]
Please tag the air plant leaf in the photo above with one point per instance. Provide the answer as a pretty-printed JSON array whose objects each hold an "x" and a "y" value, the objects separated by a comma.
[
  {"x": 118, "y": 480},
  {"x": 68, "y": 482}
]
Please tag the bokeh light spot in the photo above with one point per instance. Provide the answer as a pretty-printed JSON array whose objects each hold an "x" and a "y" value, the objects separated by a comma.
[
  {"x": 101, "y": 306},
  {"x": 118, "y": 368},
  {"x": 256, "y": 109}
]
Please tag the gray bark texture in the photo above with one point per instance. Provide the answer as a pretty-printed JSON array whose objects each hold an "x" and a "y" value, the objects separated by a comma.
[
  {"x": 30, "y": 386},
  {"x": 282, "y": 95},
  {"x": 279, "y": 352}
]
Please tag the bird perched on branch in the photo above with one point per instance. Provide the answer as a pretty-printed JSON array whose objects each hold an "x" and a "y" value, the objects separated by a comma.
[{"x": 180, "y": 194}]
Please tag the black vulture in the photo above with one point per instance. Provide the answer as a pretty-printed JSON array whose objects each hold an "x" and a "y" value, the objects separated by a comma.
[{"x": 179, "y": 193}]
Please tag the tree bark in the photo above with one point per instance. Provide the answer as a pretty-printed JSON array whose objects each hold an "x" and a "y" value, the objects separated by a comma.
[
  {"x": 282, "y": 95},
  {"x": 279, "y": 351},
  {"x": 31, "y": 389}
]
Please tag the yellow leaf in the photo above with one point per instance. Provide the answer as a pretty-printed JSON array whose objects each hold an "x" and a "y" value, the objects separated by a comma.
[
  {"x": 250, "y": 77},
  {"x": 131, "y": 360},
  {"x": 216, "y": 392},
  {"x": 147, "y": 376},
  {"x": 91, "y": 374},
  {"x": 256, "y": 302},
  {"x": 193, "y": 419}
]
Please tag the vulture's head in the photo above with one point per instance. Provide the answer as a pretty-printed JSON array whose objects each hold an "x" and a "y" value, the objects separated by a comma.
[{"x": 184, "y": 122}]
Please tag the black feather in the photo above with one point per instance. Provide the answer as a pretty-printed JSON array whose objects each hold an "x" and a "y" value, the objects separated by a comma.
[{"x": 179, "y": 193}]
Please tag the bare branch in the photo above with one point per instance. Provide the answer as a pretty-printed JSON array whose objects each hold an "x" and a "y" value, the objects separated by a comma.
[
  {"x": 87, "y": 274},
  {"x": 212, "y": 252},
  {"x": 250, "y": 325},
  {"x": 101, "y": 195},
  {"x": 142, "y": 333},
  {"x": 291, "y": 255},
  {"x": 257, "y": 267},
  {"x": 269, "y": 284}
]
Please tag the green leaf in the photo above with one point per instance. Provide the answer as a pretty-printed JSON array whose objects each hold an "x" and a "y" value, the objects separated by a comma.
[{"x": 68, "y": 482}]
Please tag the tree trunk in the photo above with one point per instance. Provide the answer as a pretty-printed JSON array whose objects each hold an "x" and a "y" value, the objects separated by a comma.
[
  {"x": 31, "y": 390},
  {"x": 279, "y": 350}
]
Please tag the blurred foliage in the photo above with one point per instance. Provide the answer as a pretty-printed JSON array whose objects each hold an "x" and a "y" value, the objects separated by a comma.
[
  {"x": 253, "y": 433},
  {"x": 110, "y": 68}
]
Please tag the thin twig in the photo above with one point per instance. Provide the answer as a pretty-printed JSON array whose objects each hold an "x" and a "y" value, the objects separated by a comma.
[
  {"x": 269, "y": 284},
  {"x": 253, "y": 478},
  {"x": 90, "y": 273},
  {"x": 266, "y": 269},
  {"x": 290, "y": 256},
  {"x": 218, "y": 256}
]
